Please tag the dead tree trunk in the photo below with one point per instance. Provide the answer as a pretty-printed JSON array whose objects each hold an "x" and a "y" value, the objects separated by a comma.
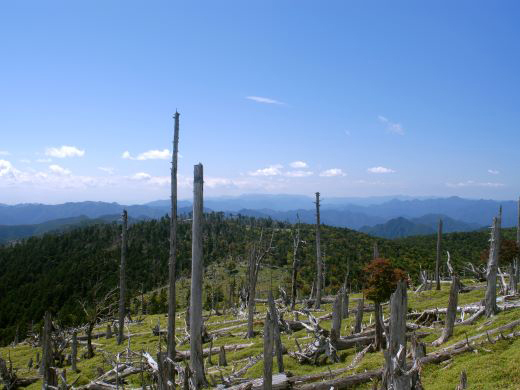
[
  {"x": 256, "y": 255},
  {"x": 376, "y": 251},
  {"x": 491, "y": 274},
  {"x": 296, "y": 244},
  {"x": 463, "y": 384},
  {"x": 122, "y": 280},
  {"x": 359, "y": 316},
  {"x": 438, "y": 256},
  {"x": 172, "y": 261},
  {"x": 451, "y": 313},
  {"x": 344, "y": 301},
  {"x": 276, "y": 334},
  {"x": 395, "y": 356},
  {"x": 74, "y": 351},
  {"x": 196, "y": 357},
  {"x": 317, "y": 301},
  {"x": 268, "y": 352},
  {"x": 378, "y": 337},
  {"x": 336, "y": 315},
  {"x": 222, "y": 362},
  {"x": 47, "y": 354}
]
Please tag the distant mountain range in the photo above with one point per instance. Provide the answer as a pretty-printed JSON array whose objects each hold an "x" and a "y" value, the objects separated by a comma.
[
  {"x": 383, "y": 216},
  {"x": 427, "y": 224}
]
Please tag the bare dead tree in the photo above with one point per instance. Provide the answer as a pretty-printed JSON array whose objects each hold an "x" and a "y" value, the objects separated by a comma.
[
  {"x": 376, "y": 251},
  {"x": 296, "y": 262},
  {"x": 172, "y": 261},
  {"x": 359, "y": 315},
  {"x": 268, "y": 352},
  {"x": 451, "y": 313},
  {"x": 317, "y": 302},
  {"x": 394, "y": 376},
  {"x": 197, "y": 273},
  {"x": 438, "y": 256},
  {"x": 47, "y": 353},
  {"x": 492, "y": 267},
  {"x": 74, "y": 351},
  {"x": 337, "y": 315},
  {"x": 276, "y": 331},
  {"x": 257, "y": 253},
  {"x": 122, "y": 279},
  {"x": 95, "y": 310}
]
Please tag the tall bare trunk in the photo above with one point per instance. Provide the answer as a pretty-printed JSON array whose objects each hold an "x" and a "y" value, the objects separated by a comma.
[
  {"x": 122, "y": 279},
  {"x": 172, "y": 262},
  {"x": 336, "y": 314},
  {"x": 376, "y": 251},
  {"x": 395, "y": 355},
  {"x": 47, "y": 360},
  {"x": 492, "y": 266},
  {"x": 276, "y": 332},
  {"x": 268, "y": 352},
  {"x": 296, "y": 244},
  {"x": 74, "y": 351},
  {"x": 378, "y": 339},
  {"x": 317, "y": 302},
  {"x": 196, "y": 357},
  {"x": 451, "y": 313},
  {"x": 438, "y": 256},
  {"x": 359, "y": 316}
]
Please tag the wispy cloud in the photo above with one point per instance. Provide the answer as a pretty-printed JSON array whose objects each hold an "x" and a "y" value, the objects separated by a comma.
[
  {"x": 298, "y": 164},
  {"x": 25, "y": 161},
  {"x": 493, "y": 171},
  {"x": 298, "y": 173},
  {"x": 471, "y": 183},
  {"x": 392, "y": 127},
  {"x": 264, "y": 100},
  {"x": 108, "y": 170},
  {"x": 380, "y": 170},
  {"x": 4, "y": 153},
  {"x": 333, "y": 172},
  {"x": 64, "y": 151},
  {"x": 272, "y": 170},
  {"x": 44, "y": 160},
  {"x": 58, "y": 170},
  {"x": 148, "y": 155}
]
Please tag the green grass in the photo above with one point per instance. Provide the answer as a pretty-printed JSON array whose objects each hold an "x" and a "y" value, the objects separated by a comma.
[{"x": 496, "y": 366}]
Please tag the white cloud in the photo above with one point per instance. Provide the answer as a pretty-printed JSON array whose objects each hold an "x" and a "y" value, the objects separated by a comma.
[
  {"x": 298, "y": 164},
  {"x": 141, "y": 176},
  {"x": 272, "y": 170},
  {"x": 108, "y": 170},
  {"x": 493, "y": 171},
  {"x": 4, "y": 153},
  {"x": 333, "y": 172},
  {"x": 59, "y": 170},
  {"x": 391, "y": 127},
  {"x": 6, "y": 168},
  {"x": 25, "y": 161},
  {"x": 148, "y": 155},
  {"x": 380, "y": 170},
  {"x": 471, "y": 183},
  {"x": 264, "y": 100},
  {"x": 44, "y": 160},
  {"x": 298, "y": 173},
  {"x": 64, "y": 151}
]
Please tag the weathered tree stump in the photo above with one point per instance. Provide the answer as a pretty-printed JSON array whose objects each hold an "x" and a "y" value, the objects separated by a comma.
[
  {"x": 359, "y": 316},
  {"x": 268, "y": 352}
]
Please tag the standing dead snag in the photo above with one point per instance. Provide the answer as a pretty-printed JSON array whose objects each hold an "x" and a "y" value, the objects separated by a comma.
[
  {"x": 336, "y": 315},
  {"x": 296, "y": 262},
  {"x": 197, "y": 273},
  {"x": 256, "y": 255},
  {"x": 47, "y": 353},
  {"x": 438, "y": 257},
  {"x": 172, "y": 261},
  {"x": 451, "y": 313},
  {"x": 74, "y": 351},
  {"x": 122, "y": 279},
  {"x": 359, "y": 316},
  {"x": 492, "y": 266},
  {"x": 276, "y": 332},
  {"x": 268, "y": 352},
  {"x": 394, "y": 376},
  {"x": 317, "y": 302},
  {"x": 222, "y": 362}
]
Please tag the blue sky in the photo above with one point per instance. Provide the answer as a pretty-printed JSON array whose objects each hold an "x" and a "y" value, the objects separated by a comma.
[{"x": 350, "y": 98}]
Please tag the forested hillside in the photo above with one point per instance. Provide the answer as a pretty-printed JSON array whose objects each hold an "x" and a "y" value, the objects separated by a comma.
[{"x": 56, "y": 271}]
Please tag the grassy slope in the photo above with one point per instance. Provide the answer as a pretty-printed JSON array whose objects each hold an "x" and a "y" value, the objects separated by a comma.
[{"x": 494, "y": 367}]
